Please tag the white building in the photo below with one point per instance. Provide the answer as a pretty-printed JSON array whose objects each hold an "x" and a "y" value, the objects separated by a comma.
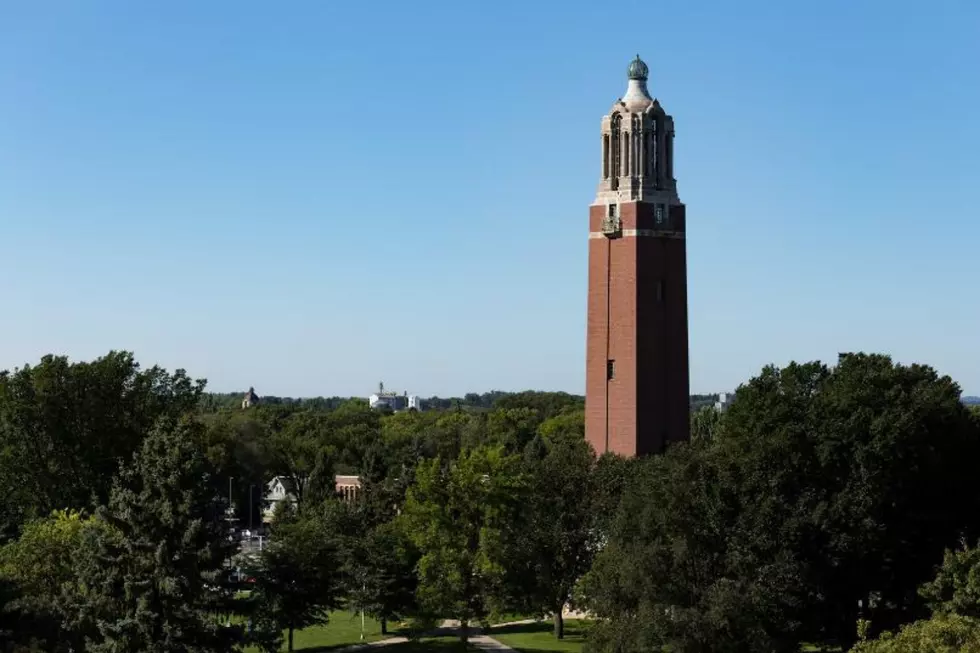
[
  {"x": 724, "y": 401},
  {"x": 394, "y": 401}
]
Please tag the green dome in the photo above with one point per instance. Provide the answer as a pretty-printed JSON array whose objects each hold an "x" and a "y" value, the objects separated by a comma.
[{"x": 638, "y": 69}]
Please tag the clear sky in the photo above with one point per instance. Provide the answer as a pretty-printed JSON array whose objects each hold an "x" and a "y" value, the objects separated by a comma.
[{"x": 313, "y": 196}]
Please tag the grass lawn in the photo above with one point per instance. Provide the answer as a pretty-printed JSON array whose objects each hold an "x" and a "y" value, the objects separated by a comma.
[
  {"x": 539, "y": 636},
  {"x": 343, "y": 629}
]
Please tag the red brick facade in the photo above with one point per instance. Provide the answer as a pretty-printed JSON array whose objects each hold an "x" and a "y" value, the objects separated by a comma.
[{"x": 637, "y": 330}]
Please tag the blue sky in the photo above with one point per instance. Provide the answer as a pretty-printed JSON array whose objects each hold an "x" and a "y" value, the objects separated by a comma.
[{"x": 310, "y": 197}]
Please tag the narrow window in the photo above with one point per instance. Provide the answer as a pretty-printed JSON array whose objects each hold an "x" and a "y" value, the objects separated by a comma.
[
  {"x": 610, "y": 369},
  {"x": 626, "y": 154},
  {"x": 612, "y": 210},
  {"x": 659, "y": 214},
  {"x": 660, "y": 290},
  {"x": 605, "y": 156},
  {"x": 654, "y": 147},
  {"x": 617, "y": 149}
]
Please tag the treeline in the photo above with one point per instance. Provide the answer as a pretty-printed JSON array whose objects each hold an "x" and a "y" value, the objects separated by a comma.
[
  {"x": 215, "y": 402},
  {"x": 817, "y": 509}
]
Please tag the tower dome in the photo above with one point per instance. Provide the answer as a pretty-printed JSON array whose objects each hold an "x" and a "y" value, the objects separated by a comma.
[
  {"x": 638, "y": 70},
  {"x": 637, "y": 97}
]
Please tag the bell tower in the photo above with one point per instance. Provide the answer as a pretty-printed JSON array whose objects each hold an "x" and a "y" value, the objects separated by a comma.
[{"x": 636, "y": 394}]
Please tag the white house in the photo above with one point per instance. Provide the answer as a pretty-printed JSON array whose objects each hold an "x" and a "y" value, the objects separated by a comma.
[{"x": 282, "y": 488}]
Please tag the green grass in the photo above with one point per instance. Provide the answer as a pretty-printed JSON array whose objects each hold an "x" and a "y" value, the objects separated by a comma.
[
  {"x": 343, "y": 629},
  {"x": 539, "y": 636}
]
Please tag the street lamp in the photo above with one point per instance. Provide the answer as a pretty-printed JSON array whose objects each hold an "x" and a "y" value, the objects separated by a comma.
[{"x": 250, "y": 488}]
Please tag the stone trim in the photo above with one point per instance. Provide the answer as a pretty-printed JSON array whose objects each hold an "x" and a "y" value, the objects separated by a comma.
[{"x": 640, "y": 233}]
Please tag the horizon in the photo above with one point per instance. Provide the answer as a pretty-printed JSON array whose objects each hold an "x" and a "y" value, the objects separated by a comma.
[{"x": 255, "y": 196}]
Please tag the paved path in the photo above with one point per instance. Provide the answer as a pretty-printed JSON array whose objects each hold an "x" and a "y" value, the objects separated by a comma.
[
  {"x": 485, "y": 643},
  {"x": 447, "y": 627},
  {"x": 369, "y": 645}
]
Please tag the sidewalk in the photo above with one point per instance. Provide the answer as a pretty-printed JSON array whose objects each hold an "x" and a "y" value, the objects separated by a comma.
[{"x": 447, "y": 627}]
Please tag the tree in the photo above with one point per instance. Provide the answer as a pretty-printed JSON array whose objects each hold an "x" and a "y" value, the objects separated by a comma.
[
  {"x": 704, "y": 423},
  {"x": 670, "y": 577},
  {"x": 458, "y": 516},
  {"x": 956, "y": 587},
  {"x": 941, "y": 634},
  {"x": 512, "y": 428},
  {"x": 824, "y": 487},
  {"x": 297, "y": 576},
  {"x": 381, "y": 574},
  {"x": 65, "y": 427},
  {"x": 236, "y": 446},
  {"x": 152, "y": 579},
  {"x": 954, "y": 597},
  {"x": 299, "y": 454},
  {"x": 852, "y": 468},
  {"x": 39, "y": 567},
  {"x": 559, "y": 539}
]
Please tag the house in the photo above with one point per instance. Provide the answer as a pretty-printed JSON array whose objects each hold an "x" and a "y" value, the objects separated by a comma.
[
  {"x": 250, "y": 399},
  {"x": 283, "y": 488}
]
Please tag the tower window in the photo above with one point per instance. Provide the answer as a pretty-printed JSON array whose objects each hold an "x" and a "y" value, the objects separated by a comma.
[
  {"x": 610, "y": 369},
  {"x": 659, "y": 214},
  {"x": 660, "y": 290},
  {"x": 612, "y": 210},
  {"x": 605, "y": 156}
]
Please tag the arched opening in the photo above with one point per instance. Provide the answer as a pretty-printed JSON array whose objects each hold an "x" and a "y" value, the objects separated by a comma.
[
  {"x": 617, "y": 148},
  {"x": 626, "y": 154},
  {"x": 605, "y": 156}
]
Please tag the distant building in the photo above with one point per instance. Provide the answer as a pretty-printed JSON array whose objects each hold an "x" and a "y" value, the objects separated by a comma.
[
  {"x": 250, "y": 399},
  {"x": 282, "y": 488},
  {"x": 348, "y": 486},
  {"x": 394, "y": 401},
  {"x": 724, "y": 401}
]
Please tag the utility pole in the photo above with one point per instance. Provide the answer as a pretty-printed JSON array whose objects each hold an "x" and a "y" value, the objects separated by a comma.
[{"x": 250, "y": 488}]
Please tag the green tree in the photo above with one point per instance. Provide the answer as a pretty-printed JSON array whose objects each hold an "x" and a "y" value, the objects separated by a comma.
[
  {"x": 236, "y": 446},
  {"x": 954, "y": 597},
  {"x": 300, "y": 450},
  {"x": 512, "y": 428},
  {"x": 381, "y": 574},
  {"x": 558, "y": 537},
  {"x": 39, "y": 568},
  {"x": 65, "y": 427},
  {"x": 950, "y": 633},
  {"x": 852, "y": 468},
  {"x": 956, "y": 587},
  {"x": 825, "y": 487},
  {"x": 609, "y": 479},
  {"x": 152, "y": 579},
  {"x": 704, "y": 423},
  {"x": 670, "y": 578},
  {"x": 297, "y": 576},
  {"x": 458, "y": 515}
]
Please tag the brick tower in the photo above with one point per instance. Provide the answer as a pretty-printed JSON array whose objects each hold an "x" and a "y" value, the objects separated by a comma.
[{"x": 636, "y": 381}]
